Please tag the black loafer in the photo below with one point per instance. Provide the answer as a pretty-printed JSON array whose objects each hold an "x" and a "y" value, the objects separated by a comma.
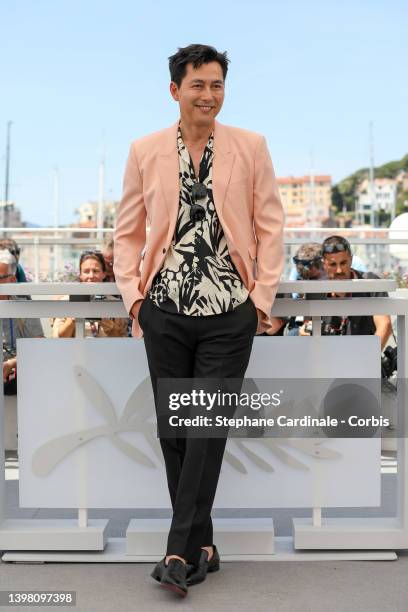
[
  {"x": 171, "y": 576},
  {"x": 197, "y": 574}
]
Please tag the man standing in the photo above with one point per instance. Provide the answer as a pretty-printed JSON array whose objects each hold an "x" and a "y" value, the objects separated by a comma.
[{"x": 207, "y": 278}]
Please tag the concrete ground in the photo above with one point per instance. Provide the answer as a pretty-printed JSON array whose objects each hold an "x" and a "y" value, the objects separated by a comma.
[
  {"x": 255, "y": 587},
  {"x": 258, "y": 586}
]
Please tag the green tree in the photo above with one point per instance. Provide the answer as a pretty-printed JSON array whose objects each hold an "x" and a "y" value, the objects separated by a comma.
[
  {"x": 343, "y": 194},
  {"x": 337, "y": 199}
]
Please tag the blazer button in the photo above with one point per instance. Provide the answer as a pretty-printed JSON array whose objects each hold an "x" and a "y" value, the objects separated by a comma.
[{"x": 164, "y": 250}]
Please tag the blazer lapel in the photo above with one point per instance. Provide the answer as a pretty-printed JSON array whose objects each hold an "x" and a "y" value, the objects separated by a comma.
[
  {"x": 222, "y": 166},
  {"x": 168, "y": 170}
]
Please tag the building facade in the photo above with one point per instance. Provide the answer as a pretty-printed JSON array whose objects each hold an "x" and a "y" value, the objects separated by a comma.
[
  {"x": 88, "y": 212},
  {"x": 384, "y": 197},
  {"x": 10, "y": 215},
  {"x": 306, "y": 199}
]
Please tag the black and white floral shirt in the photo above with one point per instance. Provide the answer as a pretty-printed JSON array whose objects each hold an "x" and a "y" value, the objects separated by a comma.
[{"x": 198, "y": 277}]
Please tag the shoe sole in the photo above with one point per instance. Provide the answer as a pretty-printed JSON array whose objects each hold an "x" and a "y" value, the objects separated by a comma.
[{"x": 173, "y": 588}]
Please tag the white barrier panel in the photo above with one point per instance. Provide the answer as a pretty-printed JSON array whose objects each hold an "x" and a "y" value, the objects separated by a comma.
[{"x": 87, "y": 436}]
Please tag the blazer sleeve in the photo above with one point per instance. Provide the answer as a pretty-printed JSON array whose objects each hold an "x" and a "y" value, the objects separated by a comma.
[
  {"x": 130, "y": 234},
  {"x": 268, "y": 226}
]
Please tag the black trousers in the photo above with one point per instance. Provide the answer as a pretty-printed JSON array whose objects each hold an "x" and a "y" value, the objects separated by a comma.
[{"x": 179, "y": 346}]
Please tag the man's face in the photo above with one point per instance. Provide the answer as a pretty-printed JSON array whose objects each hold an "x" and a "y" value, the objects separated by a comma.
[
  {"x": 5, "y": 277},
  {"x": 337, "y": 265},
  {"x": 314, "y": 273},
  {"x": 311, "y": 272},
  {"x": 201, "y": 94}
]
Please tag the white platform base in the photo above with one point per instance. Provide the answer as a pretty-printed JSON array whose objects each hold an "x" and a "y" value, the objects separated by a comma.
[
  {"x": 233, "y": 536},
  {"x": 115, "y": 552},
  {"x": 389, "y": 444},
  {"x": 52, "y": 534},
  {"x": 349, "y": 533}
]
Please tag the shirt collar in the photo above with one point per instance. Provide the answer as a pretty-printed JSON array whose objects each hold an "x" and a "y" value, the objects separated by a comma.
[{"x": 182, "y": 149}]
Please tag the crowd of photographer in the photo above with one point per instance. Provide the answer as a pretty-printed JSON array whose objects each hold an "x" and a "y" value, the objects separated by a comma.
[
  {"x": 331, "y": 260},
  {"x": 94, "y": 266}
]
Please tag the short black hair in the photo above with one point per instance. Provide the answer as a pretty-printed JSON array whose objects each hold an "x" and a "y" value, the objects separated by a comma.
[
  {"x": 336, "y": 244},
  {"x": 196, "y": 55}
]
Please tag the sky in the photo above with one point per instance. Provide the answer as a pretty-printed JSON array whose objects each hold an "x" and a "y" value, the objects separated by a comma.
[{"x": 81, "y": 78}]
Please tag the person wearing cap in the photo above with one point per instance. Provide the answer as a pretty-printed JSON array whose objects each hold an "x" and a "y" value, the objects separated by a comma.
[
  {"x": 307, "y": 266},
  {"x": 308, "y": 262},
  {"x": 12, "y": 246}
]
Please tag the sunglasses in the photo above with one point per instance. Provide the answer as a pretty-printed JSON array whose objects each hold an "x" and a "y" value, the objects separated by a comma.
[
  {"x": 336, "y": 247},
  {"x": 198, "y": 192},
  {"x": 92, "y": 252},
  {"x": 306, "y": 263}
]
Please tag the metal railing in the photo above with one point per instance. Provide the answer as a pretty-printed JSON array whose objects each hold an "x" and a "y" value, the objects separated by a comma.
[
  {"x": 53, "y": 253},
  {"x": 282, "y": 306},
  {"x": 396, "y": 305}
]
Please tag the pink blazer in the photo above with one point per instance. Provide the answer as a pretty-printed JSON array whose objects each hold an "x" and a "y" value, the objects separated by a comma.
[{"x": 246, "y": 198}]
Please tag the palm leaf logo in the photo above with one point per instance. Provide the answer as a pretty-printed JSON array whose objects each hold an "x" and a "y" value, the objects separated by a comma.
[{"x": 135, "y": 417}]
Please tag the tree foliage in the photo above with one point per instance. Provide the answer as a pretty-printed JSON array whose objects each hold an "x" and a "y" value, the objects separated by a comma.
[{"x": 343, "y": 194}]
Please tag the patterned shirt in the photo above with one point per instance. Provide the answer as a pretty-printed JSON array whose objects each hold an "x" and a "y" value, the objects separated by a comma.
[{"x": 198, "y": 277}]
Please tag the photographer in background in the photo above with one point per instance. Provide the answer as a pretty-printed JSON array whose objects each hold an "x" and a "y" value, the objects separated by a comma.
[
  {"x": 13, "y": 329},
  {"x": 337, "y": 264},
  {"x": 307, "y": 262},
  {"x": 11, "y": 245},
  {"x": 107, "y": 253},
  {"x": 308, "y": 266},
  {"x": 92, "y": 269}
]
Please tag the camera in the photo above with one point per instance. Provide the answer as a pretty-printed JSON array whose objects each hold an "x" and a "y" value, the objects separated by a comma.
[
  {"x": 389, "y": 362},
  {"x": 337, "y": 327}
]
